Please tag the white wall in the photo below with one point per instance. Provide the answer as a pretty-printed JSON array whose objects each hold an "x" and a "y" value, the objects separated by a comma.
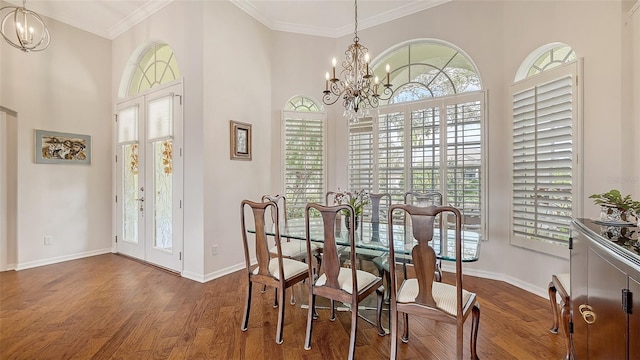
[
  {"x": 8, "y": 186},
  {"x": 237, "y": 86},
  {"x": 59, "y": 90}
]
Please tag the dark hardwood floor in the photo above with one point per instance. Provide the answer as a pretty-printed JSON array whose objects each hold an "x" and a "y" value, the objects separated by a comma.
[{"x": 111, "y": 307}]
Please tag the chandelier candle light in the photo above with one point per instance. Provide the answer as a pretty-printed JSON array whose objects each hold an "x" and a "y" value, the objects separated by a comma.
[
  {"x": 23, "y": 28},
  {"x": 355, "y": 87}
]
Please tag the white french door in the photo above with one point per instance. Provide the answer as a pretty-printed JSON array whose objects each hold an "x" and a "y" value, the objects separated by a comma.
[{"x": 149, "y": 177}]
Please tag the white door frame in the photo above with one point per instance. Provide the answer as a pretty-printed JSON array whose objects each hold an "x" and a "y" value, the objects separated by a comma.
[{"x": 145, "y": 249}]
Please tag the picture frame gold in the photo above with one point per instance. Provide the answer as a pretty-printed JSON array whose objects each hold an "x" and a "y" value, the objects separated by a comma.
[{"x": 240, "y": 140}]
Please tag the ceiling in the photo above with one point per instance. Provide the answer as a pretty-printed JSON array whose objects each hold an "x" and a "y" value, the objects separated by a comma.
[{"x": 329, "y": 18}]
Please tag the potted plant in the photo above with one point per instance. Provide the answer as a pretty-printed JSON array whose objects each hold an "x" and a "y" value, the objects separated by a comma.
[
  {"x": 614, "y": 207},
  {"x": 357, "y": 199}
]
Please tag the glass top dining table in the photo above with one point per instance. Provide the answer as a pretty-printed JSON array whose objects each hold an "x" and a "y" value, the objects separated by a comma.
[{"x": 373, "y": 236}]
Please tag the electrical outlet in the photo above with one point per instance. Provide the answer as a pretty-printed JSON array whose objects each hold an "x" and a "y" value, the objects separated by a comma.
[
  {"x": 48, "y": 239},
  {"x": 214, "y": 249}
]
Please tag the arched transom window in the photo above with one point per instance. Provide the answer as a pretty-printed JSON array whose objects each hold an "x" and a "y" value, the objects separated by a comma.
[
  {"x": 551, "y": 58},
  {"x": 428, "y": 69},
  {"x": 301, "y": 103},
  {"x": 156, "y": 66}
]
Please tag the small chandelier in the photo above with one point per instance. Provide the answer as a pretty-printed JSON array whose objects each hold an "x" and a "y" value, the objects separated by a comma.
[
  {"x": 355, "y": 86},
  {"x": 24, "y": 29}
]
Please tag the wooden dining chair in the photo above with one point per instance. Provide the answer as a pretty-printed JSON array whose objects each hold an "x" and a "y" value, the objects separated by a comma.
[
  {"x": 432, "y": 198},
  {"x": 278, "y": 272},
  {"x": 422, "y": 296},
  {"x": 348, "y": 285},
  {"x": 561, "y": 284},
  {"x": 295, "y": 250}
]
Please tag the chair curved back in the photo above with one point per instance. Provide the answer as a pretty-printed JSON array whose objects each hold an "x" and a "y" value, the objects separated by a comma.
[
  {"x": 432, "y": 198},
  {"x": 330, "y": 195},
  {"x": 423, "y": 254},
  {"x": 263, "y": 256},
  {"x": 331, "y": 255},
  {"x": 376, "y": 199},
  {"x": 281, "y": 205}
]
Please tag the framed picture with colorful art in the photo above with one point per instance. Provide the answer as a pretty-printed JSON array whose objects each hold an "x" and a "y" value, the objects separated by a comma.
[{"x": 62, "y": 148}]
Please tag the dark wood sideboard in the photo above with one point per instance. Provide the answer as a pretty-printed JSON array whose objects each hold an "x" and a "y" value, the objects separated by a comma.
[{"x": 605, "y": 291}]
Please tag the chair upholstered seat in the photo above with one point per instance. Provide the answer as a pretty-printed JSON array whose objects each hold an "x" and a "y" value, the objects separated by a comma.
[
  {"x": 294, "y": 249},
  {"x": 291, "y": 268},
  {"x": 364, "y": 279},
  {"x": 443, "y": 294},
  {"x": 423, "y": 294},
  {"x": 269, "y": 269},
  {"x": 335, "y": 282}
]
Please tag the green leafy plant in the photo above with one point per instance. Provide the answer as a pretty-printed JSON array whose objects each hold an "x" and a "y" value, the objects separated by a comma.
[
  {"x": 358, "y": 199},
  {"x": 614, "y": 198}
]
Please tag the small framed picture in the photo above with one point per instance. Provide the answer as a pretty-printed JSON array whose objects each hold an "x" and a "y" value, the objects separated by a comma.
[
  {"x": 240, "y": 140},
  {"x": 62, "y": 148}
]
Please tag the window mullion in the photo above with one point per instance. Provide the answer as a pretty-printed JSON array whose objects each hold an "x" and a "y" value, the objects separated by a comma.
[{"x": 444, "y": 167}]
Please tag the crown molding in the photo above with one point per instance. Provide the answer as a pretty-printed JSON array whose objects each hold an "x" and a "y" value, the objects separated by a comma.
[
  {"x": 363, "y": 23},
  {"x": 143, "y": 12}
]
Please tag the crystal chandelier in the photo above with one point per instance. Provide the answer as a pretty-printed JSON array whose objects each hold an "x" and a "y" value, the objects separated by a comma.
[
  {"x": 24, "y": 29},
  {"x": 359, "y": 93}
]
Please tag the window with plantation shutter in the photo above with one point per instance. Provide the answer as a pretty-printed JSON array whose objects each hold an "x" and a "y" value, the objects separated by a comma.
[
  {"x": 425, "y": 146},
  {"x": 545, "y": 158},
  {"x": 304, "y": 155},
  {"x": 429, "y": 135}
]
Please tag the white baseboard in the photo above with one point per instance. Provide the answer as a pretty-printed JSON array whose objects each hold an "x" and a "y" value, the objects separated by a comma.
[
  {"x": 213, "y": 275},
  {"x": 536, "y": 290},
  {"x": 8, "y": 267},
  {"x": 55, "y": 260}
]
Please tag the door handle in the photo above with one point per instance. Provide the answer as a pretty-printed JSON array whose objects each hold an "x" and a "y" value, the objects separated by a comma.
[
  {"x": 587, "y": 313},
  {"x": 141, "y": 200}
]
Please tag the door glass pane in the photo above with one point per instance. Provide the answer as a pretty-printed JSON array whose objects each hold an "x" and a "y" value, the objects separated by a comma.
[
  {"x": 163, "y": 179},
  {"x": 130, "y": 193}
]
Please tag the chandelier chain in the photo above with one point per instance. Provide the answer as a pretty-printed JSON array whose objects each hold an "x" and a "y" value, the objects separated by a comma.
[{"x": 355, "y": 27}]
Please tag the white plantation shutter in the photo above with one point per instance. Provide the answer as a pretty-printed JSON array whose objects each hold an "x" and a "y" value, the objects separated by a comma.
[
  {"x": 430, "y": 145},
  {"x": 391, "y": 156},
  {"x": 305, "y": 161},
  {"x": 426, "y": 151},
  {"x": 361, "y": 160},
  {"x": 544, "y": 152},
  {"x": 464, "y": 160},
  {"x": 128, "y": 125}
]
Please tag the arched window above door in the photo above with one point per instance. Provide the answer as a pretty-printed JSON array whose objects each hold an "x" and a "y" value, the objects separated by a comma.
[
  {"x": 155, "y": 66},
  {"x": 427, "y": 69}
]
